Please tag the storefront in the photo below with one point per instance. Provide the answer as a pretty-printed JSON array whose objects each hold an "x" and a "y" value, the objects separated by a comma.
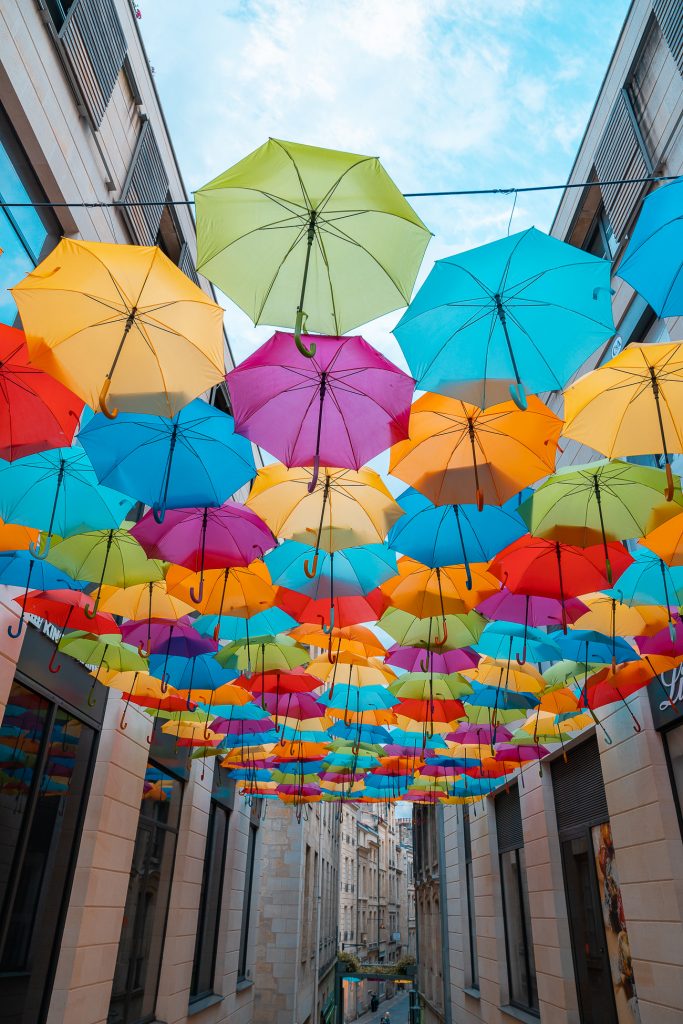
[{"x": 666, "y": 703}]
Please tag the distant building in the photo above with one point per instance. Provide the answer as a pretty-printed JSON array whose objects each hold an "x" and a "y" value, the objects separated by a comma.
[{"x": 431, "y": 905}]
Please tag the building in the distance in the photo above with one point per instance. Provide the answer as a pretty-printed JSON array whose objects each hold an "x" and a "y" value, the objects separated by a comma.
[
  {"x": 128, "y": 871},
  {"x": 431, "y": 907},
  {"x": 406, "y": 881}
]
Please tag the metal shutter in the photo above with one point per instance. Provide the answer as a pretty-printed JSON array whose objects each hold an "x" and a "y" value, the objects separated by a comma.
[
  {"x": 619, "y": 156},
  {"x": 95, "y": 47},
  {"x": 669, "y": 14},
  {"x": 579, "y": 788},
  {"x": 147, "y": 182},
  {"x": 186, "y": 263},
  {"x": 509, "y": 821}
]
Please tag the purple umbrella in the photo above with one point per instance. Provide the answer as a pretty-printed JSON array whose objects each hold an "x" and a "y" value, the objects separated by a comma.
[
  {"x": 471, "y": 733},
  {"x": 340, "y": 408},
  {"x": 168, "y": 637},
  {"x": 531, "y": 611},
  {"x": 667, "y": 642},
  {"x": 520, "y": 752},
  {"x": 414, "y": 659}
]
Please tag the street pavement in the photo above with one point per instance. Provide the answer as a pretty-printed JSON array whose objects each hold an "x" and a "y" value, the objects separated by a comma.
[{"x": 397, "y": 1007}]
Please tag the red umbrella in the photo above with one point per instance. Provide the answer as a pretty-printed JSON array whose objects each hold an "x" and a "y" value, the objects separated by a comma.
[
  {"x": 547, "y": 568},
  {"x": 67, "y": 608},
  {"x": 296, "y": 681},
  {"x": 348, "y": 611},
  {"x": 430, "y": 710},
  {"x": 36, "y": 411}
]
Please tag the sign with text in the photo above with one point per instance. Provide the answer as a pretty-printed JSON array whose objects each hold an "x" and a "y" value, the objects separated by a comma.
[{"x": 665, "y": 694}]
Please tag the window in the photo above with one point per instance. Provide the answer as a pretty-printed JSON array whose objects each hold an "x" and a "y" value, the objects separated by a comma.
[
  {"x": 673, "y": 745},
  {"x": 600, "y": 240},
  {"x": 45, "y": 763},
  {"x": 58, "y": 11},
  {"x": 210, "y": 903},
  {"x": 138, "y": 962},
  {"x": 27, "y": 234},
  {"x": 242, "y": 970},
  {"x": 471, "y": 918},
  {"x": 523, "y": 991}
]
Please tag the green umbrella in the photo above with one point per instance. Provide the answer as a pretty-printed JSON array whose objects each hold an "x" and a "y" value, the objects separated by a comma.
[
  {"x": 105, "y": 556},
  {"x": 418, "y": 686},
  {"x": 103, "y": 651},
  {"x": 564, "y": 673},
  {"x": 600, "y": 502},
  {"x": 264, "y": 654},
  {"x": 410, "y": 631},
  {"x": 329, "y": 230}
]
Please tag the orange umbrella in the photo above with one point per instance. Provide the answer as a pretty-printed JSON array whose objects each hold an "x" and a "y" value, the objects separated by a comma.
[
  {"x": 425, "y": 592},
  {"x": 458, "y": 453},
  {"x": 667, "y": 541},
  {"x": 16, "y": 538},
  {"x": 234, "y": 591},
  {"x": 358, "y": 640}
]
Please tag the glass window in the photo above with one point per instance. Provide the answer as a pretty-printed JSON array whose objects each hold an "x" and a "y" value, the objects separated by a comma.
[
  {"x": 520, "y": 950},
  {"x": 210, "y": 903},
  {"x": 138, "y": 961},
  {"x": 673, "y": 740},
  {"x": 58, "y": 11},
  {"x": 26, "y": 234},
  {"x": 45, "y": 769},
  {"x": 600, "y": 239},
  {"x": 471, "y": 918},
  {"x": 246, "y": 906}
]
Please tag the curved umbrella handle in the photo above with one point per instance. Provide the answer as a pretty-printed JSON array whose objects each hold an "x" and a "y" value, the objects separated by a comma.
[
  {"x": 298, "y": 325},
  {"x": 198, "y": 597},
  {"x": 51, "y": 663},
  {"x": 480, "y": 500},
  {"x": 123, "y": 724},
  {"x": 313, "y": 482},
  {"x": 92, "y": 699},
  {"x": 16, "y": 633},
  {"x": 328, "y": 630},
  {"x": 312, "y": 570},
  {"x": 440, "y": 641},
  {"x": 217, "y": 630},
  {"x": 518, "y": 396},
  {"x": 424, "y": 664},
  {"x": 159, "y": 512},
  {"x": 91, "y": 613},
  {"x": 332, "y": 658},
  {"x": 521, "y": 660},
  {"x": 111, "y": 414},
  {"x": 669, "y": 489},
  {"x": 35, "y": 549}
]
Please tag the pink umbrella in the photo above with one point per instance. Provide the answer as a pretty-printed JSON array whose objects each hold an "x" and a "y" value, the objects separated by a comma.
[
  {"x": 668, "y": 641},
  {"x": 534, "y": 611},
  {"x": 292, "y": 705},
  {"x": 340, "y": 408},
  {"x": 414, "y": 659},
  {"x": 168, "y": 637},
  {"x": 471, "y": 733}
]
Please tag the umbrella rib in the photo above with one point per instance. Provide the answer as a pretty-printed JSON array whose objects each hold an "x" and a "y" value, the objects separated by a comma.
[
  {"x": 275, "y": 276},
  {"x": 343, "y": 237},
  {"x": 326, "y": 262}
]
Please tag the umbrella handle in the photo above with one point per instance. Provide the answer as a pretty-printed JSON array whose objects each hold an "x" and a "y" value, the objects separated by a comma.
[
  {"x": 669, "y": 489},
  {"x": 141, "y": 650},
  {"x": 159, "y": 512},
  {"x": 217, "y": 630},
  {"x": 92, "y": 700},
  {"x": 328, "y": 630},
  {"x": 111, "y": 414},
  {"x": 424, "y": 664},
  {"x": 313, "y": 482},
  {"x": 298, "y": 325},
  {"x": 91, "y": 613},
  {"x": 312, "y": 570},
  {"x": 521, "y": 660},
  {"x": 35, "y": 548},
  {"x": 16, "y": 633},
  {"x": 197, "y": 598},
  {"x": 480, "y": 500},
  {"x": 332, "y": 658},
  {"x": 518, "y": 396},
  {"x": 440, "y": 641},
  {"x": 51, "y": 663}
]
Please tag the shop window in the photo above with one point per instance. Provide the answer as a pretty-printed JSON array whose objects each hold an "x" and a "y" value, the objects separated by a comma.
[
  {"x": 243, "y": 960},
  {"x": 211, "y": 900},
  {"x": 27, "y": 233},
  {"x": 471, "y": 917},
  {"x": 523, "y": 992},
  {"x": 138, "y": 962}
]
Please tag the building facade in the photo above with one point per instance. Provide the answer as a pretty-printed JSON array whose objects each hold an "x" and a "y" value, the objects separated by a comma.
[
  {"x": 298, "y": 907},
  {"x": 127, "y": 870},
  {"x": 565, "y": 889}
]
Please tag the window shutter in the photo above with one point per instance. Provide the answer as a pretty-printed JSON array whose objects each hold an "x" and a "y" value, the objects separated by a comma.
[
  {"x": 579, "y": 789},
  {"x": 619, "y": 156},
  {"x": 95, "y": 47},
  {"x": 186, "y": 263},
  {"x": 146, "y": 182},
  {"x": 668, "y": 14},
  {"x": 509, "y": 821}
]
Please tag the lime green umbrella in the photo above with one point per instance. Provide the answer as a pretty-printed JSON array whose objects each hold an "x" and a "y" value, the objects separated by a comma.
[
  {"x": 411, "y": 631},
  {"x": 419, "y": 686},
  {"x": 600, "y": 502},
  {"x": 265, "y": 654},
  {"x": 113, "y": 557},
  {"x": 486, "y": 716},
  {"x": 564, "y": 673},
  {"x": 105, "y": 651},
  {"x": 295, "y": 224}
]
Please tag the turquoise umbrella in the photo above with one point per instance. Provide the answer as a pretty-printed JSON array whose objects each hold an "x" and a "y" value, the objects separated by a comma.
[
  {"x": 652, "y": 262},
  {"x": 346, "y": 573},
  {"x": 527, "y": 308}
]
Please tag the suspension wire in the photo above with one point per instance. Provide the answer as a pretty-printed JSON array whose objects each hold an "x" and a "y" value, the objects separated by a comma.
[{"x": 96, "y": 204}]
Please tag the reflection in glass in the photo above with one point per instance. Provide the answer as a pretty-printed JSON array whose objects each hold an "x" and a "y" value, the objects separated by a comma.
[
  {"x": 210, "y": 904},
  {"x": 520, "y": 950}
]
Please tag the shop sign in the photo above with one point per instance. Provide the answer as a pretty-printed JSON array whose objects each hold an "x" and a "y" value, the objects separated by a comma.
[{"x": 665, "y": 694}]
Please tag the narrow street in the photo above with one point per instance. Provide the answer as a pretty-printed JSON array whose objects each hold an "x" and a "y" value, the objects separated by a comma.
[{"x": 397, "y": 1008}]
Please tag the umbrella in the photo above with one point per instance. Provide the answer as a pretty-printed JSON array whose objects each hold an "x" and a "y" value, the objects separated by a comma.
[
  {"x": 294, "y": 681},
  {"x": 16, "y": 538},
  {"x": 505, "y": 639},
  {"x": 458, "y": 452},
  {"x": 167, "y": 637},
  {"x": 631, "y": 405},
  {"x": 411, "y": 631},
  {"x": 602, "y": 501},
  {"x": 497, "y": 697},
  {"x": 271, "y": 654},
  {"x": 36, "y": 412},
  {"x": 606, "y": 613},
  {"x": 667, "y": 541},
  {"x": 354, "y": 639},
  {"x": 416, "y": 659},
  {"x": 341, "y": 407},
  {"x": 524, "y": 308},
  {"x": 193, "y": 459},
  {"x": 534, "y": 611},
  {"x": 425, "y": 592},
  {"x": 345, "y": 509},
  {"x": 650, "y": 581},
  {"x": 650, "y": 263},
  {"x": 452, "y": 534},
  {"x": 100, "y": 316},
  {"x": 419, "y": 686},
  {"x": 105, "y": 651},
  {"x": 21, "y": 569},
  {"x": 66, "y": 609},
  {"x": 329, "y": 229},
  {"x": 234, "y": 627},
  {"x": 58, "y": 492},
  {"x": 200, "y": 673},
  {"x": 143, "y": 601},
  {"x": 346, "y": 573},
  {"x": 237, "y": 590},
  {"x": 590, "y": 647},
  {"x": 494, "y": 672},
  {"x": 341, "y": 611}
]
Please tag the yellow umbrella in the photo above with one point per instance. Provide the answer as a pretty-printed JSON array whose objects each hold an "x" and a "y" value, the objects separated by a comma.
[
  {"x": 143, "y": 601},
  {"x": 491, "y": 672},
  {"x": 352, "y": 670},
  {"x": 424, "y": 592},
  {"x": 632, "y": 405},
  {"x": 100, "y": 316},
  {"x": 238, "y": 590},
  {"x": 610, "y": 616}
]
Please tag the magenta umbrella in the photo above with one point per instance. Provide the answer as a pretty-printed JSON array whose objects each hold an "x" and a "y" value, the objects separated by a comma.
[
  {"x": 472, "y": 733},
  {"x": 205, "y": 538},
  {"x": 520, "y": 752},
  {"x": 168, "y": 637},
  {"x": 340, "y": 408},
  {"x": 292, "y": 705},
  {"x": 667, "y": 642},
  {"x": 414, "y": 659},
  {"x": 534, "y": 611}
]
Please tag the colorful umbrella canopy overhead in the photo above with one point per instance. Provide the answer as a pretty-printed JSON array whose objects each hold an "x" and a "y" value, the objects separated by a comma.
[
  {"x": 121, "y": 319},
  {"x": 309, "y": 238},
  {"x": 345, "y": 573},
  {"x": 651, "y": 263},
  {"x": 479, "y": 328}
]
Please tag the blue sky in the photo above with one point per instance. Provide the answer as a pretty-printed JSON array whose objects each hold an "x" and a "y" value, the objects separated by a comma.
[{"x": 448, "y": 93}]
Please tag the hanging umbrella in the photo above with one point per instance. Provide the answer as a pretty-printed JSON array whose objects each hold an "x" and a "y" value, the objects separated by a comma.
[
  {"x": 458, "y": 452},
  {"x": 507, "y": 639},
  {"x": 431, "y": 712},
  {"x": 167, "y": 637},
  {"x": 589, "y": 647},
  {"x": 21, "y": 569},
  {"x": 293, "y": 681},
  {"x": 500, "y": 672},
  {"x": 193, "y": 459},
  {"x": 236, "y": 590},
  {"x": 329, "y": 230},
  {"x": 233, "y": 627},
  {"x": 36, "y": 412},
  {"x": 534, "y": 611},
  {"x": 341, "y": 611},
  {"x": 650, "y": 581},
  {"x": 527, "y": 308},
  {"x": 100, "y": 316},
  {"x": 452, "y": 534},
  {"x": 340, "y": 407},
  {"x": 143, "y": 601},
  {"x": 346, "y": 573},
  {"x": 67, "y": 610},
  {"x": 17, "y": 538},
  {"x": 497, "y": 697},
  {"x": 631, "y": 405},
  {"x": 420, "y": 686},
  {"x": 606, "y": 613},
  {"x": 58, "y": 493},
  {"x": 266, "y": 654},
  {"x": 200, "y": 673},
  {"x": 666, "y": 541},
  {"x": 417, "y": 659},
  {"x": 354, "y": 639},
  {"x": 410, "y": 631},
  {"x": 443, "y": 591},
  {"x": 650, "y": 263},
  {"x": 603, "y": 501},
  {"x": 351, "y": 670},
  {"x": 104, "y": 652}
]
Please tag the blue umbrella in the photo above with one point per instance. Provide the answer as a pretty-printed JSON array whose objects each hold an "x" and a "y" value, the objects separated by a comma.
[
  {"x": 193, "y": 460},
  {"x": 453, "y": 534},
  {"x": 357, "y": 732},
  {"x": 58, "y": 492},
  {"x": 525, "y": 308},
  {"x": 200, "y": 673},
  {"x": 498, "y": 697},
  {"x": 231, "y": 628},
  {"x": 356, "y": 699},
  {"x": 590, "y": 647},
  {"x": 21, "y": 569},
  {"x": 649, "y": 580},
  {"x": 652, "y": 262},
  {"x": 503, "y": 640},
  {"x": 345, "y": 573}
]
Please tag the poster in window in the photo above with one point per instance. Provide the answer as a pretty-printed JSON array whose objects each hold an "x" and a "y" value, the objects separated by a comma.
[{"x": 616, "y": 932}]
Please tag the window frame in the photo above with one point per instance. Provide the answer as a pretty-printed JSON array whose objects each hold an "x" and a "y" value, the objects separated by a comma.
[
  {"x": 211, "y": 863},
  {"x": 245, "y": 924},
  {"x": 469, "y": 893},
  {"x": 527, "y": 939}
]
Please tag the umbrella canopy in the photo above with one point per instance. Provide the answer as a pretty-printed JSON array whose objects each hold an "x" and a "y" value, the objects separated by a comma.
[
  {"x": 418, "y": 686},
  {"x": 606, "y": 613},
  {"x": 481, "y": 323},
  {"x": 167, "y": 637},
  {"x": 411, "y": 631},
  {"x": 238, "y": 590},
  {"x": 354, "y": 639},
  {"x": 667, "y": 541},
  {"x": 590, "y": 648},
  {"x": 67, "y": 609},
  {"x": 416, "y": 659},
  {"x": 235, "y": 627},
  {"x": 37, "y": 412},
  {"x": 650, "y": 581},
  {"x": 493, "y": 672},
  {"x": 631, "y": 405},
  {"x": 106, "y": 652},
  {"x": 425, "y": 592},
  {"x": 650, "y": 263},
  {"x": 341, "y": 407},
  {"x": 193, "y": 459},
  {"x": 200, "y": 673},
  {"x": 505, "y": 640},
  {"x": 269, "y": 654},
  {"x": 460, "y": 453},
  {"x": 535, "y": 611},
  {"x": 301, "y": 236},
  {"x": 345, "y": 573},
  {"x": 341, "y": 611},
  {"x": 102, "y": 317},
  {"x": 143, "y": 601}
]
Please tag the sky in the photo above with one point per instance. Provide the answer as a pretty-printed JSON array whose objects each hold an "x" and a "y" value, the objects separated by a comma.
[{"x": 449, "y": 94}]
